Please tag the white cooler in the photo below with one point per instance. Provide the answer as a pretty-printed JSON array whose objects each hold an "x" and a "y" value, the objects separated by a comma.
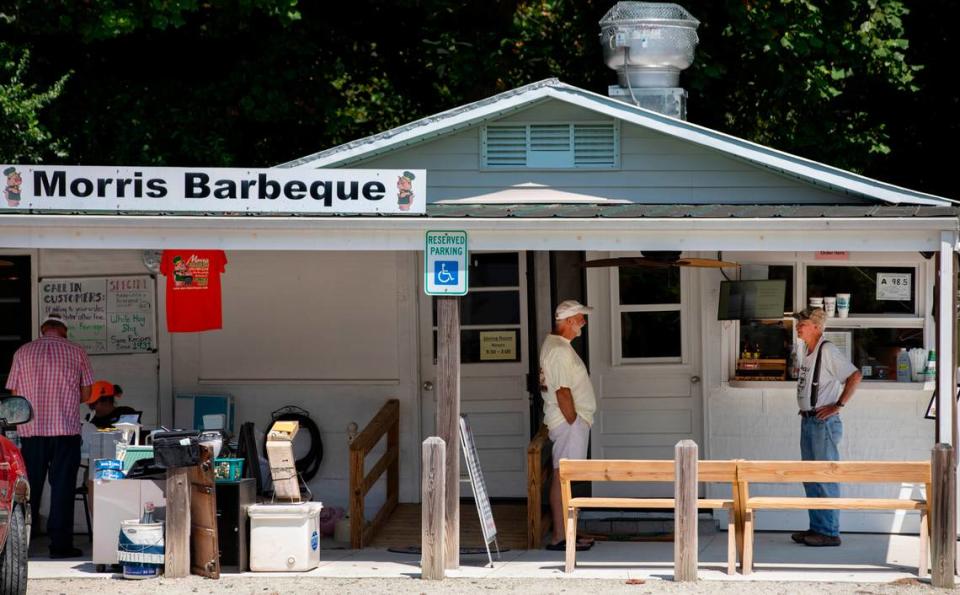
[{"x": 284, "y": 536}]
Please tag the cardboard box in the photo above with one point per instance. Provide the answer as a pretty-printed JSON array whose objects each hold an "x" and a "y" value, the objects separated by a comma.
[{"x": 283, "y": 464}]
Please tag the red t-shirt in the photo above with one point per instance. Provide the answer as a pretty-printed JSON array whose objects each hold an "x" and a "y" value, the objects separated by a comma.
[{"x": 193, "y": 289}]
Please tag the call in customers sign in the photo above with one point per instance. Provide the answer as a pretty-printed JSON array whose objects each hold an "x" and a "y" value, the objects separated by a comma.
[{"x": 445, "y": 263}]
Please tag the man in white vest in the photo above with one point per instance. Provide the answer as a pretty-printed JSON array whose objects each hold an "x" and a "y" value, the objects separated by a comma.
[{"x": 568, "y": 403}]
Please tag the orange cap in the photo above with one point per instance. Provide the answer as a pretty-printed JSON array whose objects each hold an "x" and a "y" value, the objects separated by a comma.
[{"x": 101, "y": 388}]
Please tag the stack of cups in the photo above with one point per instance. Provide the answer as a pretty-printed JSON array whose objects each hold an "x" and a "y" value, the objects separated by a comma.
[
  {"x": 843, "y": 304},
  {"x": 816, "y": 302},
  {"x": 830, "y": 306}
]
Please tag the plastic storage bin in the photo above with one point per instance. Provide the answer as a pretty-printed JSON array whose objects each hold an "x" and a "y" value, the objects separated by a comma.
[{"x": 284, "y": 536}]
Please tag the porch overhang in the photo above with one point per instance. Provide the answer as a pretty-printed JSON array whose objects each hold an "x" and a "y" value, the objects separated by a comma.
[{"x": 563, "y": 230}]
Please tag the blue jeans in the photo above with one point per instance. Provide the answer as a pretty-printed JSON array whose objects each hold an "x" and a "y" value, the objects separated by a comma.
[{"x": 820, "y": 441}]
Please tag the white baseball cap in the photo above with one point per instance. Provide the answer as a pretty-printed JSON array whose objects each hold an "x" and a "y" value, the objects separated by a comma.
[
  {"x": 568, "y": 308},
  {"x": 54, "y": 317}
]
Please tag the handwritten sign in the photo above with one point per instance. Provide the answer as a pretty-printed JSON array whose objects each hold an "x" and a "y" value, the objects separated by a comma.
[
  {"x": 104, "y": 314},
  {"x": 894, "y": 286},
  {"x": 498, "y": 345}
]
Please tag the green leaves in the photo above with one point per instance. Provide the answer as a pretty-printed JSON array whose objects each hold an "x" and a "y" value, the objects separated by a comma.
[{"x": 23, "y": 138}]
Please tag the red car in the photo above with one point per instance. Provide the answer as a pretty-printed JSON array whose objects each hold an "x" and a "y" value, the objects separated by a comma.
[{"x": 14, "y": 500}]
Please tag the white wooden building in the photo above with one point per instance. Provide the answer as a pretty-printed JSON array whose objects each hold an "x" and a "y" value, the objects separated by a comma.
[{"x": 328, "y": 313}]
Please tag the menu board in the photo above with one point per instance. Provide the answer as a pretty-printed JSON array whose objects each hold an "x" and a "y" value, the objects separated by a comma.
[
  {"x": 480, "y": 496},
  {"x": 104, "y": 314}
]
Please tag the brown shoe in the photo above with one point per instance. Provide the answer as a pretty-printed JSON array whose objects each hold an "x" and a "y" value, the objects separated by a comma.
[
  {"x": 820, "y": 540},
  {"x": 800, "y": 536}
]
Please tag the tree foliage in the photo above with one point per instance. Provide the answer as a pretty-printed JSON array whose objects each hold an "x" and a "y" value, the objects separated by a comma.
[
  {"x": 260, "y": 82},
  {"x": 22, "y": 136}
]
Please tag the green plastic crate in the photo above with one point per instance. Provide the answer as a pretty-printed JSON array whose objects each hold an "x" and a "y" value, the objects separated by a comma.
[
  {"x": 227, "y": 470},
  {"x": 132, "y": 454}
]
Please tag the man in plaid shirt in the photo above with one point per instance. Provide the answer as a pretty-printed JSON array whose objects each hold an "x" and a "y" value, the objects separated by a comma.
[{"x": 55, "y": 376}]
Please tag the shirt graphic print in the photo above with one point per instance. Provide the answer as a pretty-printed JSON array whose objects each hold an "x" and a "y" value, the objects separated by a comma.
[{"x": 193, "y": 289}]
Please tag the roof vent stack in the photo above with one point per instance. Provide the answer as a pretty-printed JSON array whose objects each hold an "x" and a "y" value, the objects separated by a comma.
[{"x": 648, "y": 44}]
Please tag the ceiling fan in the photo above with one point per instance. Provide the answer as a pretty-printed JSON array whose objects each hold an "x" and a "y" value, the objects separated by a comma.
[{"x": 660, "y": 260}]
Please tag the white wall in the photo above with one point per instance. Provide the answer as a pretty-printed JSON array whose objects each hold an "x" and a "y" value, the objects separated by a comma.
[{"x": 331, "y": 332}]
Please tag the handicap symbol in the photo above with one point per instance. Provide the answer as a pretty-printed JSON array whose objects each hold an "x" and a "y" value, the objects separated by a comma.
[{"x": 443, "y": 275}]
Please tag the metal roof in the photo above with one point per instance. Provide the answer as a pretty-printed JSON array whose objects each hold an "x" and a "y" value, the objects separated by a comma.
[
  {"x": 639, "y": 211},
  {"x": 497, "y": 106}
]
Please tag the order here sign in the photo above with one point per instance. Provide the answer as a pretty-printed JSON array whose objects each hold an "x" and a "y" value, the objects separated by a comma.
[{"x": 445, "y": 258}]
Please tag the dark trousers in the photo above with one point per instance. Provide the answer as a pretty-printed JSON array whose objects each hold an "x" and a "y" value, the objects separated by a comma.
[{"x": 60, "y": 456}]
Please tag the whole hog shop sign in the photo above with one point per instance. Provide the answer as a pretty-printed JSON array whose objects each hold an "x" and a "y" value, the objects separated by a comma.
[{"x": 213, "y": 190}]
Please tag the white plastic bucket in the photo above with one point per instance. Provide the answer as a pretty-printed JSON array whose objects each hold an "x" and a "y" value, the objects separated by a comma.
[
  {"x": 141, "y": 549},
  {"x": 284, "y": 536}
]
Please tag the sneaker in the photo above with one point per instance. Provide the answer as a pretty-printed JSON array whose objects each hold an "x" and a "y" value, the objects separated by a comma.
[
  {"x": 800, "y": 536},
  {"x": 820, "y": 540}
]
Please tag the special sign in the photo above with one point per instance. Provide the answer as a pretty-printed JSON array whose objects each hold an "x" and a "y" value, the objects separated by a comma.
[
  {"x": 104, "y": 314},
  {"x": 204, "y": 190}
]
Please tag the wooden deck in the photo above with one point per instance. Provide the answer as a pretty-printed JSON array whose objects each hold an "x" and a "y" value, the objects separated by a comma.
[{"x": 402, "y": 529}]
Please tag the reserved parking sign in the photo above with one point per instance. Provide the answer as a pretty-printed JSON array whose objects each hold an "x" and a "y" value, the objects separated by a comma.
[{"x": 445, "y": 263}]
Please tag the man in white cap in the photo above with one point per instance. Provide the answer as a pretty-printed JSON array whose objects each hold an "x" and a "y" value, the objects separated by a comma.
[
  {"x": 568, "y": 403},
  {"x": 826, "y": 384},
  {"x": 55, "y": 376}
]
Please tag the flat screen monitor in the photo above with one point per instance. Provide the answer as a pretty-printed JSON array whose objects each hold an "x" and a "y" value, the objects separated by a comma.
[{"x": 752, "y": 300}]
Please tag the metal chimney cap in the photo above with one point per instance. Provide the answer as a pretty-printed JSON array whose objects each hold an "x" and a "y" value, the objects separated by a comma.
[{"x": 635, "y": 13}]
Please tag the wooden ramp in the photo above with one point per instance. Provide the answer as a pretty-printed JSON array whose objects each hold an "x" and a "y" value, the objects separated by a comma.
[{"x": 403, "y": 527}]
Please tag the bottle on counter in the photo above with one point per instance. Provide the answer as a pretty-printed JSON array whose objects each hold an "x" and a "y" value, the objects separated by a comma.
[
  {"x": 903, "y": 366},
  {"x": 930, "y": 373},
  {"x": 148, "y": 508}
]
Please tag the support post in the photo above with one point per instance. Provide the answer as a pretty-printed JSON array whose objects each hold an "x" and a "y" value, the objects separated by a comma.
[
  {"x": 433, "y": 497},
  {"x": 448, "y": 418},
  {"x": 943, "y": 517},
  {"x": 177, "y": 539},
  {"x": 685, "y": 514},
  {"x": 946, "y": 324}
]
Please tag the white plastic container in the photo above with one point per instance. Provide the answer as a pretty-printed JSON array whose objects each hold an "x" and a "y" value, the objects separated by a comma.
[{"x": 284, "y": 537}]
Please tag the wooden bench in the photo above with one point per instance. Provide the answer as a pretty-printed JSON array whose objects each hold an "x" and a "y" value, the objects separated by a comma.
[
  {"x": 644, "y": 471},
  {"x": 827, "y": 471}
]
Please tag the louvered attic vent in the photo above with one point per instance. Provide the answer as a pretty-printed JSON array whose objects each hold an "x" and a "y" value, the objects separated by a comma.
[{"x": 549, "y": 146}]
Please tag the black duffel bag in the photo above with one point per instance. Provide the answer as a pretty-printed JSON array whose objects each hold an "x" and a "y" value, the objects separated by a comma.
[{"x": 178, "y": 448}]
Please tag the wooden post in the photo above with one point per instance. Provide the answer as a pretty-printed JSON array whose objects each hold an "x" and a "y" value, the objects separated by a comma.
[
  {"x": 685, "y": 514},
  {"x": 433, "y": 499},
  {"x": 448, "y": 418},
  {"x": 357, "y": 514},
  {"x": 943, "y": 517},
  {"x": 177, "y": 539}
]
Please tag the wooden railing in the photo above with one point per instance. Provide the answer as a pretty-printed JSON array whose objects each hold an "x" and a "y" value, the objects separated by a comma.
[
  {"x": 385, "y": 422},
  {"x": 539, "y": 476}
]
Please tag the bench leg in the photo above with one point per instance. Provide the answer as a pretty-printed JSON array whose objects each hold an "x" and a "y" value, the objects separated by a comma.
[
  {"x": 571, "y": 537},
  {"x": 731, "y": 543},
  {"x": 747, "y": 562},
  {"x": 924, "y": 544}
]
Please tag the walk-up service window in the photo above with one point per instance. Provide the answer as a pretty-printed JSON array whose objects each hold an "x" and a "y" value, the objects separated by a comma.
[
  {"x": 877, "y": 310},
  {"x": 649, "y": 315},
  {"x": 490, "y": 321}
]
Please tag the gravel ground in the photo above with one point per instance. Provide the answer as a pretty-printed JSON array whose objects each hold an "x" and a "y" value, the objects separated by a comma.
[{"x": 284, "y": 586}]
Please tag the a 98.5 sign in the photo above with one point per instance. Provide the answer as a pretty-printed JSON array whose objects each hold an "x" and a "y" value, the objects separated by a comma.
[{"x": 445, "y": 263}]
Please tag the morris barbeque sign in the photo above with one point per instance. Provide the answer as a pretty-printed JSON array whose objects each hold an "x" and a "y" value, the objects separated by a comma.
[{"x": 212, "y": 190}]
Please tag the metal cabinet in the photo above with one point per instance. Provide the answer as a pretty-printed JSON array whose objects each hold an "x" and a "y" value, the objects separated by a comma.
[
  {"x": 116, "y": 501},
  {"x": 233, "y": 525}
]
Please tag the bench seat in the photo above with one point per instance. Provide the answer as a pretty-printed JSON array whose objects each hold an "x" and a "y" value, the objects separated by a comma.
[
  {"x": 704, "y": 503},
  {"x": 798, "y": 503}
]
